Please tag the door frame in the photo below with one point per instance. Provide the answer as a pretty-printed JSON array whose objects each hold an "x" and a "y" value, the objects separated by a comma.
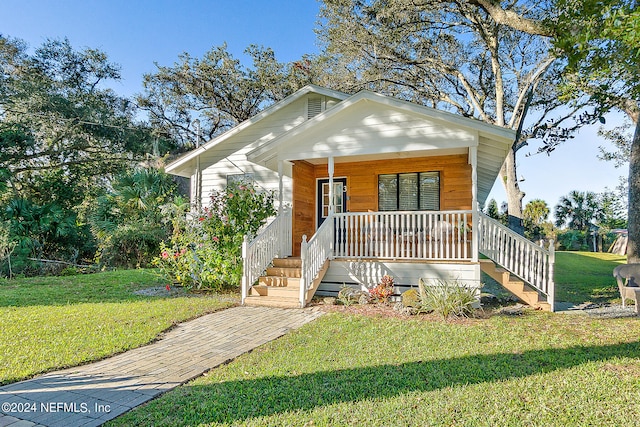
[{"x": 318, "y": 208}]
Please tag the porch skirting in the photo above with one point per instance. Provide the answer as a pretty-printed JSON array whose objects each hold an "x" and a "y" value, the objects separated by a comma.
[{"x": 367, "y": 273}]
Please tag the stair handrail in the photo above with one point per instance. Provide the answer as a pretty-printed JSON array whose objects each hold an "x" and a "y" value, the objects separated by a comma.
[
  {"x": 271, "y": 242},
  {"x": 313, "y": 254},
  {"x": 520, "y": 256}
]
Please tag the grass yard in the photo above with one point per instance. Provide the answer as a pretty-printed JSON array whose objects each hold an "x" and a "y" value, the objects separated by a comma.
[
  {"x": 538, "y": 369},
  {"x": 48, "y": 323},
  {"x": 587, "y": 277}
]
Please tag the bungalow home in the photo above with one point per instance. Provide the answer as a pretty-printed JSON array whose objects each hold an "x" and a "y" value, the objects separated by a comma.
[{"x": 369, "y": 185}]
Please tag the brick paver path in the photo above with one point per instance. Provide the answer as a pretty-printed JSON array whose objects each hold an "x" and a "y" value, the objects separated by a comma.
[{"x": 92, "y": 394}]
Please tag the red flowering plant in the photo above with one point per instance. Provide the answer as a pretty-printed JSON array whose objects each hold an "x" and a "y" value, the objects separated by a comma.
[
  {"x": 206, "y": 246},
  {"x": 383, "y": 290}
]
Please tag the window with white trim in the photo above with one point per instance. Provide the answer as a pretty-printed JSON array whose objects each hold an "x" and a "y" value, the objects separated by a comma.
[{"x": 417, "y": 191}]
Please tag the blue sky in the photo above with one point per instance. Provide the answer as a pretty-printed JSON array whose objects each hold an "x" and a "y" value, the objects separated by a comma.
[{"x": 138, "y": 33}]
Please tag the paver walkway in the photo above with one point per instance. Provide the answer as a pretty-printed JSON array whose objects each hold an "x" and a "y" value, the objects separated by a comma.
[{"x": 92, "y": 394}]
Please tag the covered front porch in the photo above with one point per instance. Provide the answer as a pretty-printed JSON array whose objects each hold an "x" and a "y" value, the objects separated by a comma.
[
  {"x": 358, "y": 249},
  {"x": 377, "y": 185}
]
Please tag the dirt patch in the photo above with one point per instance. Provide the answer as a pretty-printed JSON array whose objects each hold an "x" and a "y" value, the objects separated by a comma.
[{"x": 388, "y": 311}]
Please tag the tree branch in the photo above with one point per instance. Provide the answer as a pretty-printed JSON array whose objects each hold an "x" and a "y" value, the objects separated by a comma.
[{"x": 511, "y": 18}]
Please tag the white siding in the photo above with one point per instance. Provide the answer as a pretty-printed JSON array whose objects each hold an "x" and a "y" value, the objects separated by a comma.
[{"x": 229, "y": 156}]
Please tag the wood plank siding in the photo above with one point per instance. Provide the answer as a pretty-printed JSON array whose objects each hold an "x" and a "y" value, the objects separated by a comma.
[{"x": 362, "y": 186}]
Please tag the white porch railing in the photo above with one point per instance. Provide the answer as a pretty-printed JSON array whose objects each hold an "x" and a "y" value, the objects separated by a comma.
[
  {"x": 314, "y": 253},
  {"x": 273, "y": 241},
  {"x": 520, "y": 256},
  {"x": 441, "y": 235}
]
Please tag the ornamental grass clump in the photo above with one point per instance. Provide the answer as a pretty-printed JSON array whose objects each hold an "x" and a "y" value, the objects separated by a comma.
[{"x": 448, "y": 298}]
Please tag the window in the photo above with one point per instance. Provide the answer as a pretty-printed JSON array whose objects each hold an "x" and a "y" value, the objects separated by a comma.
[{"x": 409, "y": 191}]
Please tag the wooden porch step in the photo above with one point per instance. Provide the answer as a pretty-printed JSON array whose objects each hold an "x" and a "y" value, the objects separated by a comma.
[
  {"x": 280, "y": 281},
  {"x": 290, "y": 262},
  {"x": 271, "y": 301},
  {"x": 275, "y": 291},
  {"x": 515, "y": 286},
  {"x": 294, "y": 272}
]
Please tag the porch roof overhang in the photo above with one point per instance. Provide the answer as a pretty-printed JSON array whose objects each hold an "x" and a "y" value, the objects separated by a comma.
[
  {"x": 186, "y": 164},
  {"x": 369, "y": 126}
]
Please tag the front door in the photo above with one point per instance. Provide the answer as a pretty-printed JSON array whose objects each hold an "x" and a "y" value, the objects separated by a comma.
[{"x": 339, "y": 197}]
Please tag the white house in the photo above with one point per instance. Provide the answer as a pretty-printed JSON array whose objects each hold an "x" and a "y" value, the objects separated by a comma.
[{"x": 368, "y": 185}]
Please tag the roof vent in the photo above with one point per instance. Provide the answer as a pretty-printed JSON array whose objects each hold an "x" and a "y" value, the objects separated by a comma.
[{"x": 314, "y": 107}]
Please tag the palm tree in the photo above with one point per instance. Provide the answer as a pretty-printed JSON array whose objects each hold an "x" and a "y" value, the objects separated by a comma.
[
  {"x": 535, "y": 215},
  {"x": 578, "y": 210}
]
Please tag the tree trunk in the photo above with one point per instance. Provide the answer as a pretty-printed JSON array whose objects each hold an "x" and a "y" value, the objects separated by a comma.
[
  {"x": 514, "y": 195},
  {"x": 633, "y": 250}
]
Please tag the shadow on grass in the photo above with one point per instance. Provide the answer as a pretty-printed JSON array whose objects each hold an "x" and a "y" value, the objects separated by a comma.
[{"x": 235, "y": 401}]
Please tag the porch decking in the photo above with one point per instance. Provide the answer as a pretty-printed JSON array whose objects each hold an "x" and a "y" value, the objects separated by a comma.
[{"x": 423, "y": 237}]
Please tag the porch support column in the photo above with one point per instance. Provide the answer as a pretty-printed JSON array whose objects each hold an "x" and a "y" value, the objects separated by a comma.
[
  {"x": 280, "y": 186},
  {"x": 475, "y": 218},
  {"x": 282, "y": 235},
  {"x": 330, "y": 168}
]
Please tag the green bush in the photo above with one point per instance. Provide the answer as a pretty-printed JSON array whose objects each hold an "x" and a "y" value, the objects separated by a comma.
[
  {"x": 447, "y": 298},
  {"x": 205, "y": 250},
  {"x": 127, "y": 221}
]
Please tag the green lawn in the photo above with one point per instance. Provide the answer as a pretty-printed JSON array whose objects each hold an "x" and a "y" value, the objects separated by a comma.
[
  {"x": 48, "y": 323},
  {"x": 587, "y": 277},
  {"x": 538, "y": 369}
]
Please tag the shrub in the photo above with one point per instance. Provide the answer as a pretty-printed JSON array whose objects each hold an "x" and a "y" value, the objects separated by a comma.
[
  {"x": 447, "y": 298},
  {"x": 383, "y": 290},
  {"x": 205, "y": 251},
  {"x": 348, "y": 296}
]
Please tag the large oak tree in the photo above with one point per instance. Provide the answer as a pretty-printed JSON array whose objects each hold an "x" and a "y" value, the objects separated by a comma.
[
  {"x": 601, "y": 41},
  {"x": 483, "y": 59}
]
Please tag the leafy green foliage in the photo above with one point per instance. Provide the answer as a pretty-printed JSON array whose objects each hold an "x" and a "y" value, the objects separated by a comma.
[
  {"x": 43, "y": 231},
  {"x": 205, "y": 251},
  {"x": 535, "y": 218},
  {"x": 494, "y": 212},
  {"x": 601, "y": 41},
  {"x": 578, "y": 210},
  {"x": 63, "y": 135},
  {"x": 127, "y": 220},
  {"x": 217, "y": 90},
  {"x": 57, "y": 115}
]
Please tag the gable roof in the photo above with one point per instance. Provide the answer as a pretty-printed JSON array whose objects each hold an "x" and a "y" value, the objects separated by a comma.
[
  {"x": 182, "y": 165},
  {"x": 368, "y": 124},
  {"x": 467, "y": 128},
  {"x": 363, "y": 124}
]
